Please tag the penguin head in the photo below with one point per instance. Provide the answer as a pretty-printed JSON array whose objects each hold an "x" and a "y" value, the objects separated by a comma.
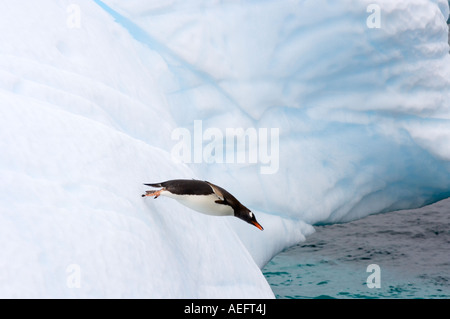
[{"x": 245, "y": 214}]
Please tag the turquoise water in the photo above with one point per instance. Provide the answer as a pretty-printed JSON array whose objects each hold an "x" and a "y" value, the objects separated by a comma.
[{"x": 411, "y": 249}]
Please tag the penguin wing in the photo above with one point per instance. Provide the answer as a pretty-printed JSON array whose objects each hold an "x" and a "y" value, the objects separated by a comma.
[
  {"x": 218, "y": 193},
  {"x": 216, "y": 190}
]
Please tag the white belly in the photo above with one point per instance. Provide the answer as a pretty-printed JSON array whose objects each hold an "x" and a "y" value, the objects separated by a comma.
[{"x": 202, "y": 203}]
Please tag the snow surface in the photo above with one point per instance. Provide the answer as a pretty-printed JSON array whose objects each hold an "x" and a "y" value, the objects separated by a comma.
[{"x": 87, "y": 113}]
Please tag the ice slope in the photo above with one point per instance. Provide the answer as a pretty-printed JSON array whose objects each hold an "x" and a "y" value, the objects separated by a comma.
[
  {"x": 83, "y": 119},
  {"x": 87, "y": 112}
]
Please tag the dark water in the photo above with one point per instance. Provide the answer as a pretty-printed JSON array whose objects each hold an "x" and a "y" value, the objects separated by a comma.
[{"x": 411, "y": 249}]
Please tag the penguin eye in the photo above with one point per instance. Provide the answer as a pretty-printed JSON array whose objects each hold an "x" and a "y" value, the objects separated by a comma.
[{"x": 250, "y": 214}]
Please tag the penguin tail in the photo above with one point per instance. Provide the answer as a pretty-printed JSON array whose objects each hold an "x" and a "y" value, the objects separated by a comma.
[{"x": 155, "y": 185}]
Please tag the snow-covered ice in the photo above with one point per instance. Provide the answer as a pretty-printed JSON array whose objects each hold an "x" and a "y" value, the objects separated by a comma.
[{"x": 91, "y": 91}]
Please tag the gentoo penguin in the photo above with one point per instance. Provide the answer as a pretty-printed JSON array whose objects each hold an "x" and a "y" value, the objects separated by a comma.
[{"x": 203, "y": 197}]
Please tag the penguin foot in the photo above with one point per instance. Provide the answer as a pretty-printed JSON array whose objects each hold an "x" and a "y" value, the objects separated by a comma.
[{"x": 152, "y": 193}]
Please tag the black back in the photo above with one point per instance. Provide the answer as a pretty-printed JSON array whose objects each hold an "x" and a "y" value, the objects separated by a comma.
[{"x": 185, "y": 187}]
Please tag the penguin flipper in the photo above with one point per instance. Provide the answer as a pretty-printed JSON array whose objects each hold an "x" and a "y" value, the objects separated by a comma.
[
  {"x": 218, "y": 192},
  {"x": 222, "y": 202}
]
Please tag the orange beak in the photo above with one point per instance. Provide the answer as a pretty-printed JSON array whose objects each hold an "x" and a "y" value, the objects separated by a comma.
[{"x": 257, "y": 225}]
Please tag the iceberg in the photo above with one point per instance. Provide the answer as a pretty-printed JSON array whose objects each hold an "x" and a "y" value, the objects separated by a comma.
[{"x": 92, "y": 93}]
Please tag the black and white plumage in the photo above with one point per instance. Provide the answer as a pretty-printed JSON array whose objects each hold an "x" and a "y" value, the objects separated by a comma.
[{"x": 203, "y": 197}]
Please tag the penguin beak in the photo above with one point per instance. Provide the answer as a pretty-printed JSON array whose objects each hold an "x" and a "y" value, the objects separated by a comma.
[{"x": 254, "y": 222}]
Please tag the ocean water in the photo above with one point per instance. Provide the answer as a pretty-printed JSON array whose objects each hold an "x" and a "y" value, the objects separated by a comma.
[{"x": 410, "y": 248}]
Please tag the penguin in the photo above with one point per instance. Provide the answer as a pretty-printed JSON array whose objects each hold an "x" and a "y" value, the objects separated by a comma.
[{"x": 204, "y": 197}]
